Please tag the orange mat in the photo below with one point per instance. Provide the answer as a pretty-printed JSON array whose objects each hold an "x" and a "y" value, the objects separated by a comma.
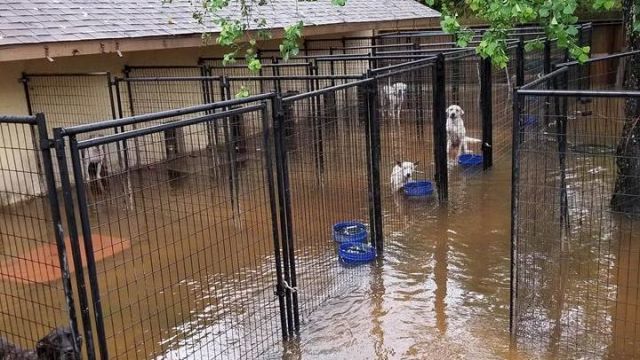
[{"x": 41, "y": 264}]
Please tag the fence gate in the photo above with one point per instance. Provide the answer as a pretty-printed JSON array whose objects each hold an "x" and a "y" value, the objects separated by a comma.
[
  {"x": 35, "y": 286},
  {"x": 184, "y": 259}
]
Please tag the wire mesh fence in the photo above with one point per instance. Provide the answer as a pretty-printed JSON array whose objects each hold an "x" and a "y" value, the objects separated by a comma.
[
  {"x": 325, "y": 143},
  {"x": 407, "y": 124},
  {"x": 194, "y": 211},
  {"x": 463, "y": 100},
  {"x": 194, "y": 252},
  {"x": 70, "y": 99},
  {"x": 576, "y": 277},
  {"x": 35, "y": 286}
]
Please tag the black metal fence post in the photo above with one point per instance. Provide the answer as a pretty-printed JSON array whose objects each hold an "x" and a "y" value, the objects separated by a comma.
[
  {"x": 547, "y": 70},
  {"x": 486, "y": 106},
  {"x": 515, "y": 178},
  {"x": 56, "y": 219},
  {"x": 286, "y": 228},
  {"x": 268, "y": 142},
  {"x": 88, "y": 246},
  {"x": 561, "y": 124},
  {"x": 374, "y": 154},
  {"x": 520, "y": 60},
  {"x": 75, "y": 243},
  {"x": 440, "y": 128}
]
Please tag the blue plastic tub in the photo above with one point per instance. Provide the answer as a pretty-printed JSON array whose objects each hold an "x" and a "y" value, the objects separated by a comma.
[
  {"x": 349, "y": 231},
  {"x": 469, "y": 160},
  {"x": 356, "y": 253},
  {"x": 418, "y": 188}
]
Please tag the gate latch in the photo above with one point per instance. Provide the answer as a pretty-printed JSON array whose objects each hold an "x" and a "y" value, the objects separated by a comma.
[{"x": 288, "y": 287}]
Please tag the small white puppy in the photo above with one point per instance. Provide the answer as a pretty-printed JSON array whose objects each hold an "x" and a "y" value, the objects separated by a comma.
[
  {"x": 401, "y": 174},
  {"x": 456, "y": 132},
  {"x": 395, "y": 95}
]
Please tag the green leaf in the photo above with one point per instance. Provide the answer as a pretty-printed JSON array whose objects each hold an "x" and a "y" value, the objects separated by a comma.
[
  {"x": 242, "y": 93},
  {"x": 544, "y": 12},
  {"x": 339, "y": 2},
  {"x": 229, "y": 58},
  {"x": 255, "y": 65}
]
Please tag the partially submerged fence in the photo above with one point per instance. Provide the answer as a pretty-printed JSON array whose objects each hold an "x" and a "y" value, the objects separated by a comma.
[
  {"x": 186, "y": 212},
  {"x": 575, "y": 195},
  {"x": 36, "y": 292}
]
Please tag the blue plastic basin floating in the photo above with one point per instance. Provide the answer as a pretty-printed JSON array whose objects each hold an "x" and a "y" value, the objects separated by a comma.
[
  {"x": 468, "y": 160},
  {"x": 418, "y": 188},
  {"x": 349, "y": 231},
  {"x": 356, "y": 253}
]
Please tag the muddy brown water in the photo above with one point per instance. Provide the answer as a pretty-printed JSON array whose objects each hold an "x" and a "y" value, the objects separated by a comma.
[{"x": 197, "y": 281}]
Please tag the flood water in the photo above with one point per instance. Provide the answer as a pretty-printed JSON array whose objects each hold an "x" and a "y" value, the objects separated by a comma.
[
  {"x": 196, "y": 277},
  {"x": 440, "y": 291}
]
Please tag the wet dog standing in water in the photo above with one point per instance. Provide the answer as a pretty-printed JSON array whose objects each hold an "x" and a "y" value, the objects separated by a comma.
[
  {"x": 57, "y": 345},
  {"x": 456, "y": 132},
  {"x": 401, "y": 174},
  {"x": 95, "y": 167},
  {"x": 395, "y": 96}
]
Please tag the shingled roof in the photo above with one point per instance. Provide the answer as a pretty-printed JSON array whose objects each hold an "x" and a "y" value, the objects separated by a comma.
[{"x": 49, "y": 21}]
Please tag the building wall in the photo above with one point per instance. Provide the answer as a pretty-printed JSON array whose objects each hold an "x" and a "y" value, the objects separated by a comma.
[{"x": 72, "y": 101}]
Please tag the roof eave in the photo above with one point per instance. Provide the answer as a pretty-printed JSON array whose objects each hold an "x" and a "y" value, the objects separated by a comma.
[{"x": 126, "y": 45}]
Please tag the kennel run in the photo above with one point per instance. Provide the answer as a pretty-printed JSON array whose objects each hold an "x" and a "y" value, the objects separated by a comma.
[
  {"x": 207, "y": 205},
  {"x": 575, "y": 248}
]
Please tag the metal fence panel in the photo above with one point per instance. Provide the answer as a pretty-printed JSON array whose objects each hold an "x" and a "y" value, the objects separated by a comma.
[
  {"x": 188, "y": 269},
  {"x": 576, "y": 277},
  {"x": 35, "y": 285}
]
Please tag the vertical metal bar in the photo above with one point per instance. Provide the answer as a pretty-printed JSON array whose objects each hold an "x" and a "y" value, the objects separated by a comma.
[
  {"x": 276, "y": 73},
  {"x": 487, "y": 113},
  {"x": 27, "y": 94},
  {"x": 88, "y": 246},
  {"x": 520, "y": 63},
  {"x": 114, "y": 116},
  {"x": 285, "y": 210},
  {"x": 366, "y": 107},
  {"x": 547, "y": 57},
  {"x": 132, "y": 112},
  {"x": 111, "y": 99},
  {"x": 547, "y": 70},
  {"x": 75, "y": 243},
  {"x": 515, "y": 179},
  {"x": 317, "y": 114},
  {"x": 207, "y": 98},
  {"x": 125, "y": 150},
  {"x": 440, "y": 128},
  {"x": 375, "y": 191},
  {"x": 561, "y": 116},
  {"x": 228, "y": 139},
  {"x": 273, "y": 201},
  {"x": 56, "y": 219}
]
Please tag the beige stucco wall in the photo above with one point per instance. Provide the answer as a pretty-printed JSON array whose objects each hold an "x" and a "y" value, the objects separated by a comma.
[{"x": 75, "y": 104}]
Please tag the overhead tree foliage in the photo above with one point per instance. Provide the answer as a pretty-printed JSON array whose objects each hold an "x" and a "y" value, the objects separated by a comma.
[{"x": 240, "y": 32}]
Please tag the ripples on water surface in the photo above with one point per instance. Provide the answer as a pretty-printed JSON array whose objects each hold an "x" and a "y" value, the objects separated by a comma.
[{"x": 441, "y": 291}]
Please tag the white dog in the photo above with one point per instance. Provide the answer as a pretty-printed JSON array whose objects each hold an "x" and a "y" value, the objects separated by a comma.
[
  {"x": 456, "y": 132},
  {"x": 395, "y": 95},
  {"x": 401, "y": 174},
  {"x": 94, "y": 165}
]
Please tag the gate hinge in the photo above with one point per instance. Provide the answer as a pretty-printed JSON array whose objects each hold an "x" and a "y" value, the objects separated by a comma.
[{"x": 46, "y": 144}]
